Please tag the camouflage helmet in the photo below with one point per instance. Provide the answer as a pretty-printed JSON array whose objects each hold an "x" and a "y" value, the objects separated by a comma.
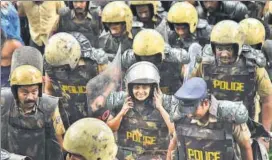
[
  {"x": 118, "y": 11},
  {"x": 228, "y": 32},
  {"x": 183, "y": 12},
  {"x": 142, "y": 73},
  {"x": 90, "y": 138},
  {"x": 254, "y": 31},
  {"x": 153, "y": 4},
  {"x": 62, "y": 49},
  {"x": 148, "y": 42},
  {"x": 25, "y": 75}
]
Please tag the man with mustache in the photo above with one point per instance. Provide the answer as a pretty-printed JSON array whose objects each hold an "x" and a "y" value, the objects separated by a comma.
[
  {"x": 235, "y": 72},
  {"x": 78, "y": 18},
  {"x": 30, "y": 121}
]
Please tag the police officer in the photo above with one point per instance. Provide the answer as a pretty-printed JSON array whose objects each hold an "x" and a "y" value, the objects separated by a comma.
[
  {"x": 31, "y": 122},
  {"x": 90, "y": 139},
  {"x": 149, "y": 45},
  {"x": 146, "y": 12},
  {"x": 186, "y": 29},
  {"x": 216, "y": 11},
  {"x": 140, "y": 114},
  {"x": 207, "y": 128},
  {"x": 117, "y": 20},
  {"x": 70, "y": 62},
  {"x": 235, "y": 72},
  {"x": 78, "y": 18}
]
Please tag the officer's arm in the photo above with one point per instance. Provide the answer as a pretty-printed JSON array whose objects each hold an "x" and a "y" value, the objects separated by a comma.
[
  {"x": 264, "y": 88},
  {"x": 171, "y": 147},
  {"x": 58, "y": 126},
  {"x": 48, "y": 88},
  {"x": 242, "y": 135},
  {"x": 176, "y": 55}
]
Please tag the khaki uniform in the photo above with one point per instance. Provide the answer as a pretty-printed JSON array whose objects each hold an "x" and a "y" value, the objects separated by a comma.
[{"x": 43, "y": 19}]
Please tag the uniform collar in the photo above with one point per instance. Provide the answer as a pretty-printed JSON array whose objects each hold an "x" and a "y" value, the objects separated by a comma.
[{"x": 212, "y": 119}]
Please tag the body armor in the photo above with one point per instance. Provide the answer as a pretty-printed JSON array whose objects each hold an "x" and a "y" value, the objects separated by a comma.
[
  {"x": 90, "y": 28},
  {"x": 235, "y": 82},
  {"x": 211, "y": 142},
  {"x": 31, "y": 135},
  {"x": 214, "y": 141},
  {"x": 143, "y": 132},
  {"x": 71, "y": 86}
]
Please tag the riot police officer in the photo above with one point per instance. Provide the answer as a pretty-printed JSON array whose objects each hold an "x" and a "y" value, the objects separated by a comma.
[
  {"x": 149, "y": 45},
  {"x": 186, "y": 27},
  {"x": 216, "y": 11},
  {"x": 78, "y": 18},
  {"x": 141, "y": 116},
  {"x": 117, "y": 20},
  {"x": 207, "y": 128},
  {"x": 31, "y": 122},
  {"x": 70, "y": 62},
  {"x": 235, "y": 72},
  {"x": 90, "y": 139},
  {"x": 146, "y": 12}
]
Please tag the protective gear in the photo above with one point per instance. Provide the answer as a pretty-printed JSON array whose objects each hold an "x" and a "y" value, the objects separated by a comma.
[
  {"x": 90, "y": 27},
  {"x": 254, "y": 31},
  {"x": 27, "y": 55},
  {"x": 153, "y": 5},
  {"x": 26, "y": 69},
  {"x": 25, "y": 75},
  {"x": 22, "y": 133},
  {"x": 5, "y": 155},
  {"x": 91, "y": 139},
  {"x": 214, "y": 138},
  {"x": 142, "y": 73},
  {"x": 183, "y": 12},
  {"x": 228, "y": 32},
  {"x": 148, "y": 42},
  {"x": 227, "y": 10},
  {"x": 233, "y": 83},
  {"x": 115, "y": 12},
  {"x": 62, "y": 49}
]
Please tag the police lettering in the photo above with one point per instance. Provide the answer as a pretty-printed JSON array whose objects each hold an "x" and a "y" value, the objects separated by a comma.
[
  {"x": 136, "y": 136},
  {"x": 229, "y": 86},
  {"x": 200, "y": 155},
  {"x": 73, "y": 89}
]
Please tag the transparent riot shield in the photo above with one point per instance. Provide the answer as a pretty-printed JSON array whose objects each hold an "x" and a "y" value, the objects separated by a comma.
[
  {"x": 195, "y": 52},
  {"x": 99, "y": 88}
]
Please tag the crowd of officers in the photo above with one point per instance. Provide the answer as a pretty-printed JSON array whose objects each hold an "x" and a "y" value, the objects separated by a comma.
[{"x": 136, "y": 80}]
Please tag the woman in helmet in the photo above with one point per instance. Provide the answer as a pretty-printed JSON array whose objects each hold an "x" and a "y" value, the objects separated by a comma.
[
  {"x": 89, "y": 139},
  {"x": 142, "y": 124}
]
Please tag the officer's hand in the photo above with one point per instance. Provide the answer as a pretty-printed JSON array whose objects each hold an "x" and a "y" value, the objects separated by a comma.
[
  {"x": 158, "y": 98},
  {"x": 128, "y": 104}
]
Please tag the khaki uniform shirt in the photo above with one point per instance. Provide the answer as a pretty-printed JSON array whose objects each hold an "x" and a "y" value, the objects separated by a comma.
[{"x": 43, "y": 19}]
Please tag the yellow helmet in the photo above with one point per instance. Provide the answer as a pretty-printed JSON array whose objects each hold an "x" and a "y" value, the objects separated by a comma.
[
  {"x": 90, "y": 138},
  {"x": 148, "y": 42},
  {"x": 62, "y": 49},
  {"x": 154, "y": 4},
  {"x": 254, "y": 31},
  {"x": 228, "y": 32},
  {"x": 183, "y": 12},
  {"x": 25, "y": 75},
  {"x": 118, "y": 11}
]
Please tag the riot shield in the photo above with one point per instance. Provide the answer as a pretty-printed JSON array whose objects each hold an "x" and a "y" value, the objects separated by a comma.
[
  {"x": 195, "y": 52},
  {"x": 99, "y": 88}
]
